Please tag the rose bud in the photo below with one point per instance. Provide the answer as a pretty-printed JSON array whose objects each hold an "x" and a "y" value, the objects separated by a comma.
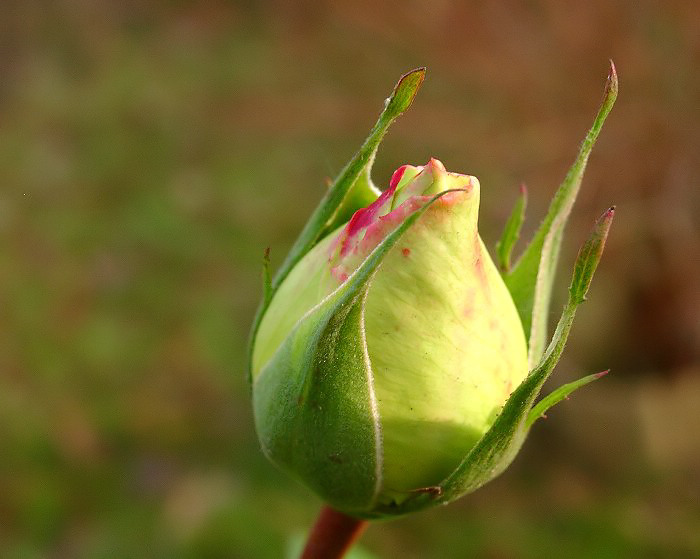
[{"x": 390, "y": 359}]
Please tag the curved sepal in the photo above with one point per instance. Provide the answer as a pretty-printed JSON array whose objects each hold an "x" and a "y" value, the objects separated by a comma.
[
  {"x": 267, "y": 278},
  {"x": 314, "y": 404},
  {"x": 531, "y": 279},
  {"x": 511, "y": 232},
  {"x": 500, "y": 444},
  {"x": 309, "y": 394},
  {"x": 324, "y": 218},
  {"x": 557, "y": 395},
  {"x": 351, "y": 190}
]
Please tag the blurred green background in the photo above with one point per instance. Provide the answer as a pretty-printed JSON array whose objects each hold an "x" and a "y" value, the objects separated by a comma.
[{"x": 150, "y": 152}]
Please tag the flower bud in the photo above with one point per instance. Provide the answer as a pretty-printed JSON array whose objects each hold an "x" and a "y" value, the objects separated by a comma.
[
  {"x": 389, "y": 357},
  {"x": 443, "y": 345}
]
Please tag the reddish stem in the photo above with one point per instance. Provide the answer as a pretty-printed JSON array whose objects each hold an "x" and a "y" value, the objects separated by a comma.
[{"x": 332, "y": 535}]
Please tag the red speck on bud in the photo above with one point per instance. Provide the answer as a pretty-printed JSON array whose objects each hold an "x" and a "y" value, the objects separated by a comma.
[{"x": 405, "y": 251}]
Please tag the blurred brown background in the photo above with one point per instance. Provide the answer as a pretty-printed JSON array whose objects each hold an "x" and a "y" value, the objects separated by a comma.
[{"x": 150, "y": 151}]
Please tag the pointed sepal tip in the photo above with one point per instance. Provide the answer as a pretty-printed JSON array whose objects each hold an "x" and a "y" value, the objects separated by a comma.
[
  {"x": 611, "y": 84},
  {"x": 589, "y": 256},
  {"x": 404, "y": 92},
  {"x": 540, "y": 409}
]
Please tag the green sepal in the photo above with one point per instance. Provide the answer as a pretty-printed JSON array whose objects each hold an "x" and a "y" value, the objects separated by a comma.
[
  {"x": 351, "y": 190},
  {"x": 494, "y": 452},
  {"x": 531, "y": 279},
  {"x": 355, "y": 179},
  {"x": 314, "y": 400},
  {"x": 589, "y": 257},
  {"x": 306, "y": 398},
  {"x": 267, "y": 279},
  {"x": 557, "y": 395},
  {"x": 322, "y": 220},
  {"x": 511, "y": 231}
]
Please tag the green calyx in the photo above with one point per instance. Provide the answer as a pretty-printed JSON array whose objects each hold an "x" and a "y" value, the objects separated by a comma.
[{"x": 389, "y": 357}]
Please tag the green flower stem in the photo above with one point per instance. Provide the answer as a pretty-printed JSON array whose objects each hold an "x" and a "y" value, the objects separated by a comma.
[{"x": 333, "y": 535}]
